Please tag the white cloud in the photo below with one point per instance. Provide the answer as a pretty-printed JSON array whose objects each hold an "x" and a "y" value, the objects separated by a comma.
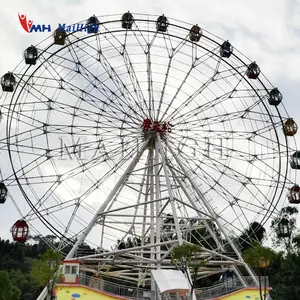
[{"x": 267, "y": 32}]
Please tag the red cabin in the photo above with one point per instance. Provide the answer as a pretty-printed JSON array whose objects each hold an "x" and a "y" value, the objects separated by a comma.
[
  {"x": 20, "y": 231},
  {"x": 294, "y": 194},
  {"x": 253, "y": 71}
]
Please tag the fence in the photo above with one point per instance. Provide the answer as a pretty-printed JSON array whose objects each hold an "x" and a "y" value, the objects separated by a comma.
[
  {"x": 116, "y": 289},
  {"x": 143, "y": 294},
  {"x": 227, "y": 287}
]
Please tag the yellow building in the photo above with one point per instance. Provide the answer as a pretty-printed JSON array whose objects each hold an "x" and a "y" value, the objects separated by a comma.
[
  {"x": 80, "y": 292},
  {"x": 244, "y": 294},
  {"x": 72, "y": 288}
]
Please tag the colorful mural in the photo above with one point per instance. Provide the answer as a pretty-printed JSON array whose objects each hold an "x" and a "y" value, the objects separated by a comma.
[
  {"x": 77, "y": 292},
  {"x": 245, "y": 294}
]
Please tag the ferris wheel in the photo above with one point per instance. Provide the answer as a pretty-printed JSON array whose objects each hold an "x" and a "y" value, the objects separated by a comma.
[{"x": 148, "y": 128}]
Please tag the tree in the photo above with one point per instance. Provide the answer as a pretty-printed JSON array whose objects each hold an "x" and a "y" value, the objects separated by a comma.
[
  {"x": 16, "y": 259},
  {"x": 46, "y": 268},
  {"x": 201, "y": 235},
  {"x": 284, "y": 274},
  {"x": 296, "y": 241},
  {"x": 259, "y": 257},
  {"x": 254, "y": 233},
  {"x": 44, "y": 242},
  {"x": 7, "y": 290},
  {"x": 187, "y": 258}
]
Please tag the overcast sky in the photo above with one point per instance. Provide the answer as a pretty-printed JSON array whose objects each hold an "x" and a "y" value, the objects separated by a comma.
[{"x": 266, "y": 31}]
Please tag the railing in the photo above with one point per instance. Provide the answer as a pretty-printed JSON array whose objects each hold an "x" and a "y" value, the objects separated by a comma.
[
  {"x": 226, "y": 287},
  {"x": 143, "y": 294},
  {"x": 115, "y": 289},
  {"x": 125, "y": 291}
]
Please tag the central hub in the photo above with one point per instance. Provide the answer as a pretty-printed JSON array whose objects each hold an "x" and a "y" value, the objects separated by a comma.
[{"x": 151, "y": 128}]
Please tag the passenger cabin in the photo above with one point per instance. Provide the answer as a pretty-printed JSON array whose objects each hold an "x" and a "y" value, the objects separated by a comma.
[
  {"x": 226, "y": 49},
  {"x": 195, "y": 33},
  {"x": 294, "y": 194},
  {"x": 284, "y": 228},
  {"x": 253, "y": 71},
  {"x": 3, "y": 193},
  {"x": 295, "y": 160},
  {"x": 275, "y": 97},
  {"x": 127, "y": 20},
  {"x": 59, "y": 36},
  {"x": 20, "y": 231},
  {"x": 162, "y": 23},
  {"x": 290, "y": 127},
  {"x": 92, "y": 24},
  {"x": 30, "y": 55},
  {"x": 8, "y": 82}
]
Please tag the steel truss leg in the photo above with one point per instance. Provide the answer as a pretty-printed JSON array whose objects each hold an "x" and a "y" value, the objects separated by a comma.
[
  {"x": 211, "y": 211},
  {"x": 102, "y": 208},
  {"x": 168, "y": 182},
  {"x": 207, "y": 226}
]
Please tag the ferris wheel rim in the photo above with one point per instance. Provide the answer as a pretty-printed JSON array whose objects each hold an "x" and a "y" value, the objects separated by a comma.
[{"x": 173, "y": 37}]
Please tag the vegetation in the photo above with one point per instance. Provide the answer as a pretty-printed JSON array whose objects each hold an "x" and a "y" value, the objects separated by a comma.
[
  {"x": 44, "y": 271},
  {"x": 15, "y": 264},
  {"x": 259, "y": 257},
  {"x": 187, "y": 257},
  {"x": 8, "y": 291},
  {"x": 255, "y": 233}
]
